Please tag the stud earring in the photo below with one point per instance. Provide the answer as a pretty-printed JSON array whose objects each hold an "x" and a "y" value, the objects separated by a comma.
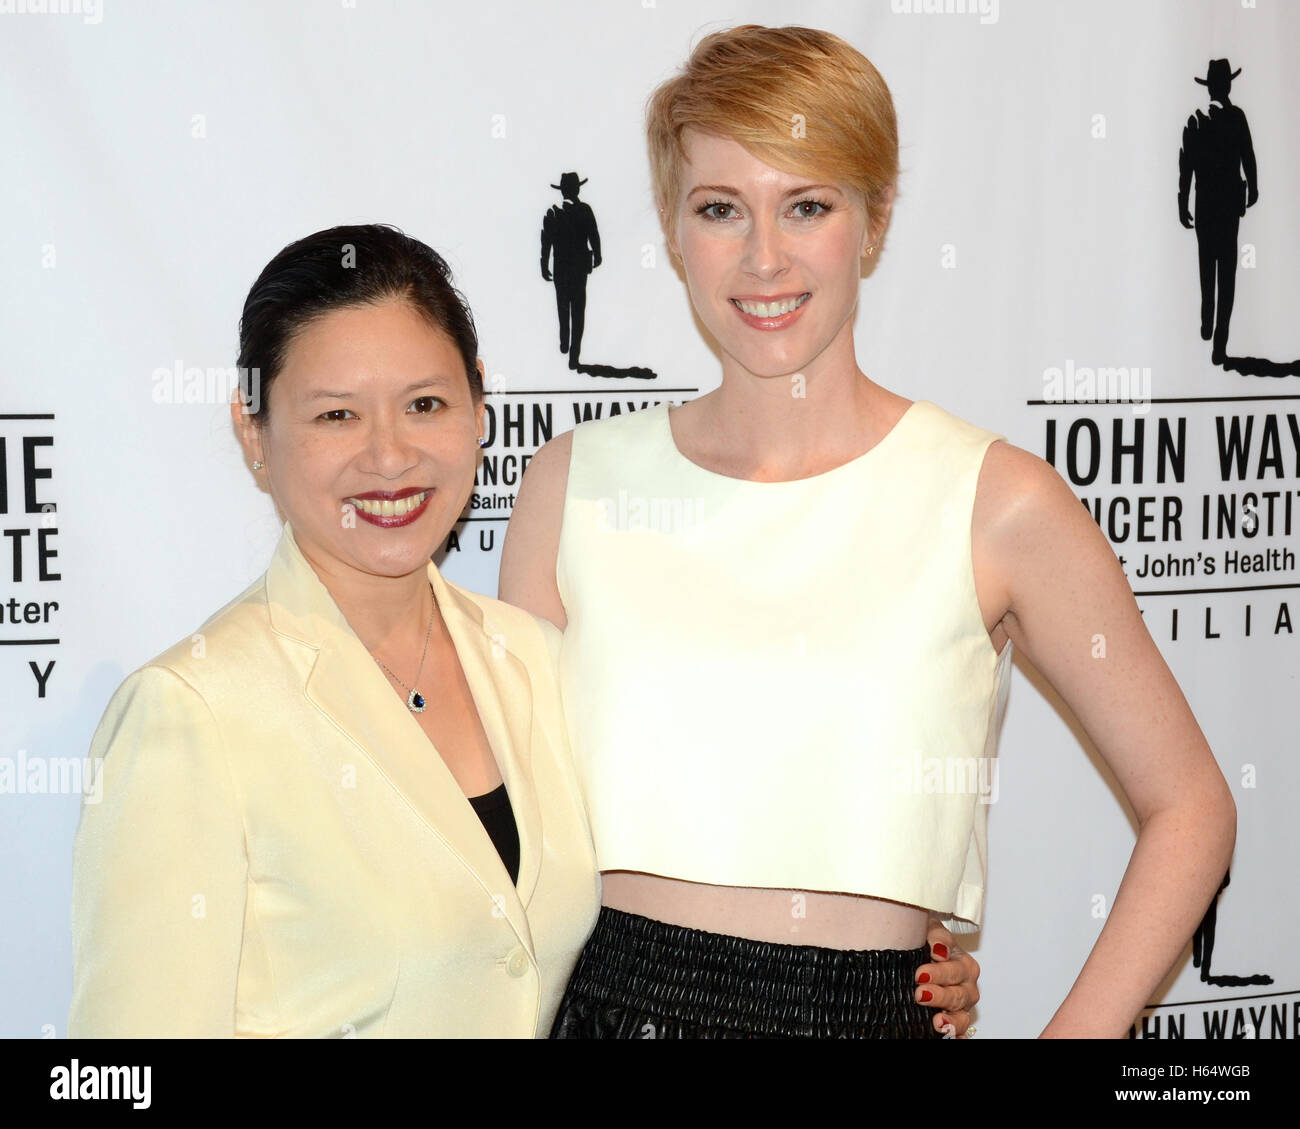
[
  {"x": 870, "y": 247},
  {"x": 258, "y": 464},
  {"x": 482, "y": 441}
]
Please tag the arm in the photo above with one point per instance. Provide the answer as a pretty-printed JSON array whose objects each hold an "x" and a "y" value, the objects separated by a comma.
[
  {"x": 546, "y": 247},
  {"x": 158, "y": 871},
  {"x": 528, "y": 555},
  {"x": 1248, "y": 162},
  {"x": 1067, "y": 597},
  {"x": 1185, "y": 172},
  {"x": 593, "y": 237}
]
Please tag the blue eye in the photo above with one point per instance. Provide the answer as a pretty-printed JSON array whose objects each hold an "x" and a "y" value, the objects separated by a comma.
[
  {"x": 802, "y": 204},
  {"x": 707, "y": 211}
]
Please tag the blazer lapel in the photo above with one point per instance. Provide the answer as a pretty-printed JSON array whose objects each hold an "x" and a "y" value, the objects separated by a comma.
[
  {"x": 503, "y": 695},
  {"x": 347, "y": 686}
]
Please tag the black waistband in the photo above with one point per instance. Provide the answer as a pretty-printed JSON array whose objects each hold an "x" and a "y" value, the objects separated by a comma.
[{"x": 652, "y": 971}]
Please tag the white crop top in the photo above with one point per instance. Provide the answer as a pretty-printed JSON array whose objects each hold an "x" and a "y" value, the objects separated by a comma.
[{"x": 783, "y": 684}]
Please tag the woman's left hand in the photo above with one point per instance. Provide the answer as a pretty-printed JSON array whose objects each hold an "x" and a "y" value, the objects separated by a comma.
[{"x": 950, "y": 984}]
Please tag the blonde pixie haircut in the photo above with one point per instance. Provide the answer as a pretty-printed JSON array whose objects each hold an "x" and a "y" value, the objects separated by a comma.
[{"x": 800, "y": 99}]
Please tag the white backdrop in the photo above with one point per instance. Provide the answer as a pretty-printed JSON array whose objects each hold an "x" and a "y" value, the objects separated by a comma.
[{"x": 157, "y": 155}]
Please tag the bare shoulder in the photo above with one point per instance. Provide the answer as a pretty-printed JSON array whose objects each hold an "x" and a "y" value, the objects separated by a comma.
[
  {"x": 527, "y": 577},
  {"x": 1025, "y": 520},
  {"x": 541, "y": 492},
  {"x": 1019, "y": 489},
  {"x": 1052, "y": 568}
]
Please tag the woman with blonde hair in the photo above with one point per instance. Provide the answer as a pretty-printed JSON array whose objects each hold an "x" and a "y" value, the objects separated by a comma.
[{"x": 828, "y": 598}]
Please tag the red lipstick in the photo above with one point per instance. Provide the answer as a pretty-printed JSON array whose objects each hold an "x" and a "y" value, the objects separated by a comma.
[{"x": 390, "y": 520}]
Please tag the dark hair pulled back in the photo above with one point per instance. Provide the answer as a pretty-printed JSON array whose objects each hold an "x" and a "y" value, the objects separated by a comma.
[{"x": 339, "y": 267}]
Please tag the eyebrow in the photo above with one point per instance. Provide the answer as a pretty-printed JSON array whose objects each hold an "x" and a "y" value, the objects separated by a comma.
[
  {"x": 326, "y": 394},
  {"x": 730, "y": 191}
]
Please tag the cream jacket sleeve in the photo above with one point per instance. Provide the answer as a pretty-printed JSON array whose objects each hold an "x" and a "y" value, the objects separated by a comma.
[{"x": 165, "y": 839}]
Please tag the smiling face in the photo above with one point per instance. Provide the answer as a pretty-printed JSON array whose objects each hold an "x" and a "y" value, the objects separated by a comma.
[
  {"x": 772, "y": 259},
  {"x": 370, "y": 441}
]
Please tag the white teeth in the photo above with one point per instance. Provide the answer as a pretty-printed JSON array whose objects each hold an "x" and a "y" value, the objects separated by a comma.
[
  {"x": 771, "y": 309},
  {"x": 388, "y": 507}
]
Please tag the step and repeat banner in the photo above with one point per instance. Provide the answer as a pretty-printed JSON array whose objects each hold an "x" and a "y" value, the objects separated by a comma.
[{"x": 1095, "y": 251}]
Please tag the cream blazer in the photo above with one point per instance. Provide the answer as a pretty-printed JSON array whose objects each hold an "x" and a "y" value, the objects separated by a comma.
[{"x": 279, "y": 850}]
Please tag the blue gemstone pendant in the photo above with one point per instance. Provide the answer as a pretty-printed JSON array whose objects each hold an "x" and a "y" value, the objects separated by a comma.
[{"x": 415, "y": 701}]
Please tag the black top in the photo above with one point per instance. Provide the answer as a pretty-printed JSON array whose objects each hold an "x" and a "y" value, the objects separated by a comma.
[{"x": 494, "y": 810}]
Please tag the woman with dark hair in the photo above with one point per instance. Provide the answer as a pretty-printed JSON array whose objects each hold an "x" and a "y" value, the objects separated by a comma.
[
  {"x": 345, "y": 805},
  {"x": 784, "y": 695}
]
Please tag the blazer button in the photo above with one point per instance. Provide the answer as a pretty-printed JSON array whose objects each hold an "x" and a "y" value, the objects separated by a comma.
[{"x": 517, "y": 962}]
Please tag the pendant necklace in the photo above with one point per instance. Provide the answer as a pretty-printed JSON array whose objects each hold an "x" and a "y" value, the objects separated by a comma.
[{"x": 414, "y": 699}]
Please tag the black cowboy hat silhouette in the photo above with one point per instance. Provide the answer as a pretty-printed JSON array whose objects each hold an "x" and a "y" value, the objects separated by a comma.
[
  {"x": 569, "y": 182},
  {"x": 1218, "y": 73}
]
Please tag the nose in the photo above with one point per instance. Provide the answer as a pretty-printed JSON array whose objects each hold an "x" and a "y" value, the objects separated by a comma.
[
  {"x": 389, "y": 452},
  {"x": 765, "y": 250}
]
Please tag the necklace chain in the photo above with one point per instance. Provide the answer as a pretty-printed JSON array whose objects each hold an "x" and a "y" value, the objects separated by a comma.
[{"x": 415, "y": 701}]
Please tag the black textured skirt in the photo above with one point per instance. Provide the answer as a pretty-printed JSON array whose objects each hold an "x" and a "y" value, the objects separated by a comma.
[{"x": 638, "y": 978}]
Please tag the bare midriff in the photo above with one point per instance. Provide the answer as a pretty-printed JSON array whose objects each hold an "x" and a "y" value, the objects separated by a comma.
[{"x": 789, "y": 917}]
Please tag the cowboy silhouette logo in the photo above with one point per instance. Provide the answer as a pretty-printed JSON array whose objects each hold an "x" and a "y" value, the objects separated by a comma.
[
  {"x": 1217, "y": 158},
  {"x": 571, "y": 241},
  {"x": 570, "y": 252}
]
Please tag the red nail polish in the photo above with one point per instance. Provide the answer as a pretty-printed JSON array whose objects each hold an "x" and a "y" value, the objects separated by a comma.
[
  {"x": 926, "y": 997},
  {"x": 941, "y": 951},
  {"x": 924, "y": 978}
]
